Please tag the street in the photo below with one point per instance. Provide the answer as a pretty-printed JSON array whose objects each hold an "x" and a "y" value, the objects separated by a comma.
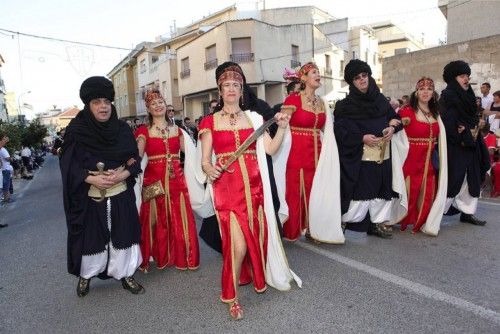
[{"x": 410, "y": 284}]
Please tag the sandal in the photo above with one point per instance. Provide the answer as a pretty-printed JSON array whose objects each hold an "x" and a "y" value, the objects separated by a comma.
[{"x": 235, "y": 311}]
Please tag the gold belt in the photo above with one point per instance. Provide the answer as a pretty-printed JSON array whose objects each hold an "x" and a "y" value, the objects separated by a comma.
[
  {"x": 377, "y": 153},
  {"x": 416, "y": 140},
  {"x": 113, "y": 191},
  {"x": 304, "y": 131},
  {"x": 164, "y": 156},
  {"x": 228, "y": 154}
]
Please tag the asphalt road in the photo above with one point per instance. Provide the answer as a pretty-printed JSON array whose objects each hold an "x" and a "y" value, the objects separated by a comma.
[{"x": 410, "y": 284}]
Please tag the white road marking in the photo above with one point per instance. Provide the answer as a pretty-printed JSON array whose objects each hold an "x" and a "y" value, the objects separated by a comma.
[{"x": 415, "y": 287}]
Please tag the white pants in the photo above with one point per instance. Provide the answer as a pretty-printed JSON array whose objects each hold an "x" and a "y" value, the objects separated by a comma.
[
  {"x": 463, "y": 201},
  {"x": 380, "y": 211},
  {"x": 122, "y": 262}
]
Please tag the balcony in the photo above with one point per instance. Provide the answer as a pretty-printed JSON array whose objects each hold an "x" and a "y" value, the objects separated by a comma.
[
  {"x": 295, "y": 63},
  {"x": 242, "y": 57},
  {"x": 211, "y": 64},
  {"x": 185, "y": 73}
]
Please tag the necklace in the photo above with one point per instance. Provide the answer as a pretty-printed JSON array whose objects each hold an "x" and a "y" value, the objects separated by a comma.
[
  {"x": 312, "y": 102},
  {"x": 233, "y": 116},
  {"x": 165, "y": 134}
]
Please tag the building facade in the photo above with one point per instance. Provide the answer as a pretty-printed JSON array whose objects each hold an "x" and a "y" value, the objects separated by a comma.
[
  {"x": 402, "y": 72},
  {"x": 468, "y": 20}
]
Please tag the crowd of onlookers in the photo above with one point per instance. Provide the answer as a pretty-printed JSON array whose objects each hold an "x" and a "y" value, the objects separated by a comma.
[{"x": 488, "y": 109}]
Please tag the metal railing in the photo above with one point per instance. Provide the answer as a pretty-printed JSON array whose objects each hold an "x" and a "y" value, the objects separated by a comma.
[
  {"x": 185, "y": 73},
  {"x": 295, "y": 63},
  {"x": 211, "y": 64},
  {"x": 242, "y": 57}
]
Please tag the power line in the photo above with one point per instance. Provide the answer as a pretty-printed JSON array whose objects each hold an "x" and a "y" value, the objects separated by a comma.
[{"x": 65, "y": 40}]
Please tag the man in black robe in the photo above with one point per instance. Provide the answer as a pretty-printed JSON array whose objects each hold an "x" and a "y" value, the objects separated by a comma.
[
  {"x": 468, "y": 158},
  {"x": 364, "y": 125},
  {"x": 99, "y": 162}
]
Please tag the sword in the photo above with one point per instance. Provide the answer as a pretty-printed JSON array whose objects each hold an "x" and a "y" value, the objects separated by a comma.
[
  {"x": 100, "y": 168},
  {"x": 253, "y": 137}
]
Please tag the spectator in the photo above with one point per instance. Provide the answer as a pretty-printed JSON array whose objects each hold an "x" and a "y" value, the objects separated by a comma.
[
  {"x": 7, "y": 187},
  {"x": 26, "y": 157},
  {"x": 406, "y": 101},
  {"x": 394, "y": 104},
  {"x": 58, "y": 142},
  {"x": 493, "y": 113},
  {"x": 211, "y": 106},
  {"x": 486, "y": 98}
]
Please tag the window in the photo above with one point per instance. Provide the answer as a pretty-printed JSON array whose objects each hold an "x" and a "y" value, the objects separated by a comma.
[
  {"x": 295, "y": 57},
  {"x": 142, "y": 66},
  {"x": 328, "y": 65},
  {"x": 366, "y": 55},
  {"x": 185, "y": 71},
  {"x": 374, "y": 58},
  {"x": 401, "y": 51},
  {"x": 354, "y": 56},
  {"x": 342, "y": 68},
  {"x": 210, "y": 57},
  {"x": 154, "y": 58},
  {"x": 242, "y": 50},
  {"x": 126, "y": 99}
]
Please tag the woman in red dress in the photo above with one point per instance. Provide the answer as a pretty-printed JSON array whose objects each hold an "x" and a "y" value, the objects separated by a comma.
[
  {"x": 241, "y": 194},
  {"x": 304, "y": 152},
  {"x": 168, "y": 230},
  {"x": 420, "y": 121}
]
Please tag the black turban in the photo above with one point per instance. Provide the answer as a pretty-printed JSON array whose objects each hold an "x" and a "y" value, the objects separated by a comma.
[
  {"x": 355, "y": 67},
  {"x": 454, "y": 69},
  {"x": 95, "y": 88}
]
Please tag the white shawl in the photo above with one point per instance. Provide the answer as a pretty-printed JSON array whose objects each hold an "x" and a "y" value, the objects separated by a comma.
[
  {"x": 400, "y": 146},
  {"x": 324, "y": 201},
  {"x": 278, "y": 273}
]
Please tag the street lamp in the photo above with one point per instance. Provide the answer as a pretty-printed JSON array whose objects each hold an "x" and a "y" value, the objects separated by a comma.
[{"x": 19, "y": 104}]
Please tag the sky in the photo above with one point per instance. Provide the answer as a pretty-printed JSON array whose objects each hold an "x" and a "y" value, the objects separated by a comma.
[{"x": 52, "y": 71}]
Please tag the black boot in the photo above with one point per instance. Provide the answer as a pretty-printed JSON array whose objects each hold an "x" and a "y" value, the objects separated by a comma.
[
  {"x": 82, "y": 289},
  {"x": 465, "y": 218},
  {"x": 130, "y": 284},
  {"x": 378, "y": 231}
]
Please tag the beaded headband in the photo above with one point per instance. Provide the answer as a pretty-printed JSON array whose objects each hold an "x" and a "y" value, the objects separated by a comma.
[
  {"x": 424, "y": 82},
  {"x": 151, "y": 95},
  {"x": 306, "y": 68},
  {"x": 231, "y": 73}
]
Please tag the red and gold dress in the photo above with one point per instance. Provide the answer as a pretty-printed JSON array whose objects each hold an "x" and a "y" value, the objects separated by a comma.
[
  {"x": 168, "y": 229},
  {"x": 239, "y": 203},
  {"x": 419, "y": 172},
  {"x": 305, "y": 126}
]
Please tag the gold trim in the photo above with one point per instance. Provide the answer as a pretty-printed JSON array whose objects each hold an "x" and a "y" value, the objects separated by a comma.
[
  {"x": 185, "y": 226},
  {"x": 153, "y": 218},
  {"x": 219, "y": 127},
  {"x": 172, "y": 133},
  {"x": 164, "y": 156},
  {"x": 406, "y": 121},
  {"x": 233, "y": 220},
  {"x": 260, "y": 216},
  {"x": 202, "y": 131},
  {"x": 248, "y": 193},
  {"x": 303, "y": 196},
  {"x": 229, "y": 154},
  {"x": 421, "y": 195},
  {"x": 426, "y": 140}
]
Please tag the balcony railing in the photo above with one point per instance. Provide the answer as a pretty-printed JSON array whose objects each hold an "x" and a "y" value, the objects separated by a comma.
[
  {"x": 211, "y": 64},
  {"x": 185, "y": 73},
  {"x": 295, "y": 63},
  {"x": 328, "y": 71},
  {"x": 242, "y": 57}
]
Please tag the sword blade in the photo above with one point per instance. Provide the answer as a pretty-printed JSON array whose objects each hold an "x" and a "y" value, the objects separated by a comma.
[{"x": 252, "y": 138}]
